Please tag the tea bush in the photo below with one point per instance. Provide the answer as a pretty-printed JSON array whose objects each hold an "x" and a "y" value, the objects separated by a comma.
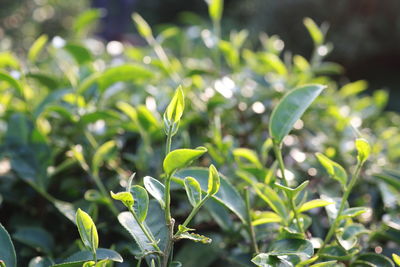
[{"x": 294, "y": 168}]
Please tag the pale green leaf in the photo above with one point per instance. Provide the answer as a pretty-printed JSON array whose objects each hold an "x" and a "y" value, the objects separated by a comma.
[
  {"x": 155, "y": 188},
  {"x": 193, "y": 190},
  {"x": 100, "y": 155},
  {"x": 334, "y": 170},
  {"x": 125, "y": 197},
  {"x": 180, "y": 158},
  {"x": 215, "y": 9},
  {"x": 315, "y": 33},
  {"x": 315, "y": 203},
  {"x": 142, "y": 26},
  {"x": 174, "y": 111},
  {"x": 37, "y": 47},
  {"x": 363, "y": 149},
  {"x": 213, "y": 181},
  {"x": 87, "y": 230}
]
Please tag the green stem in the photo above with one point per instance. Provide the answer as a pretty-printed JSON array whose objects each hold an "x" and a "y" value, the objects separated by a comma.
[
  {"x": 145, "y": 231},
  {"x": 346, "y": 195},
  {"x": 250, "y": 224},
  {"x": 217, "y": 33},
  {"x": 194, "y": 211},
  {"x": 292, "y": 204},
  {"x": 167, "y": 199},
  {"x": 104, "y": 193}
]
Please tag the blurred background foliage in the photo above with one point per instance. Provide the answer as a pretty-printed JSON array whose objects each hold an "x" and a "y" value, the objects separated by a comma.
[{"x": 365, "y": 33}]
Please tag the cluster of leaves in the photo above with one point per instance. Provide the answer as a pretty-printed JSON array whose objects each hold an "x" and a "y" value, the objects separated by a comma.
[{"x": 78, "y": 119}]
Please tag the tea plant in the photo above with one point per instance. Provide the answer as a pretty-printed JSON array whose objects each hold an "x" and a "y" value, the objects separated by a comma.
[{"x": 77, "y": 120}]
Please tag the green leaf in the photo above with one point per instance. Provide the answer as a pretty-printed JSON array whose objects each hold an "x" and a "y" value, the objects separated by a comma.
[
  {"x": 315, "y": 33},
  {"x": 180, "y": 158},
  {"x": 266, "y": 260},
  {"x": 353, "y": 88},
  {"x": 265, "y": 217},
  {"x": 35, "y": 237},
  {"x": 87, "y": 230},
  {"x": 37, "y": 47},
  {"x": 290, "y": 109},
  {"x": 227, "y": 194},
  {"x": 272, "y": 198},
  {"x": 334, "y": 170},
  {"x": 125, "y": 197},
  {"x": 299, "y": 247},
  {"x": 336, "y": 252},
  {"x": 193, "y": 190},
  {"x": 195, "y": 237},
  {"x": 7, "y": 251},
  {"x": 396, "y": 259},
  {"x": 123, "y": 73},
  {"x": 141, "y": 204},
  {"x": 353, "y": 212},
  {"x": 363, "y": 149},
  {"x": 372, "y": 260},
  {"x": 293, "y": 191},
  {"x": 247, "y": 154},
  {"x": 174, "y": 111},
  {"x": 315, "y": 203},
  {"x": 77, "y": 259},
  {"x": 156, "y": 189},
  {"x": 12, "y": 82},
  {"x": 100, "y": 155},
  {"x": 85, "y": 19},
  {"x": 353, "y": 230},
  {"x": 80, "y": 53},
  {"x": 156, "y": 224},
  {"x": 45, "y": 79},
  {"x": 142, "y": 26},
  {"x": 215, "y": 9},
  {"x": 213, "y": 181}
]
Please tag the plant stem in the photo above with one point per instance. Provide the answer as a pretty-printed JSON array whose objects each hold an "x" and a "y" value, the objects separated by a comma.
[
  {"x": 145, "y": 231},
  {"x": 292, "y": 204},
  {"x": 167, "y": 199},
  {"x": 346, "y": 195},
  {"x": 104, "y": 193},
  {"x": 249, "y": 223},
  {"x": 195, "y": 210}
]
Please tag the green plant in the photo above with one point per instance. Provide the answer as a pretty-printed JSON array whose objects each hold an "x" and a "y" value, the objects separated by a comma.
[{"x": 77, "y": 120}]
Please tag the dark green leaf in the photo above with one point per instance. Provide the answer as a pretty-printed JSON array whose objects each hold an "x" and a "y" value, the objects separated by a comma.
[
  {"x": 35, "y": 237},
  {"x": 80, "y": 53},
  {"x": 141, "y": 204},
  {"x": 227, "y": 194},
  {"x": 372, "y": 260},
  {"x": 300, "y": 247},
  {"x": 79, "y": 258},
  {"x": 290, "y": 109},
  {"x": 7, "y": 251}
]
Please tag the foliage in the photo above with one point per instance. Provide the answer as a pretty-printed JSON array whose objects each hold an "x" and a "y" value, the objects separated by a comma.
[{"x": 265, "y": 128}]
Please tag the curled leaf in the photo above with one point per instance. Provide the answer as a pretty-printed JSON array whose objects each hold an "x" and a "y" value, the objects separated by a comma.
[
  {"x": 125, "y": 197},
  {"x": 213, "y": 181},
  {"x": 363, "y": 149}
]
